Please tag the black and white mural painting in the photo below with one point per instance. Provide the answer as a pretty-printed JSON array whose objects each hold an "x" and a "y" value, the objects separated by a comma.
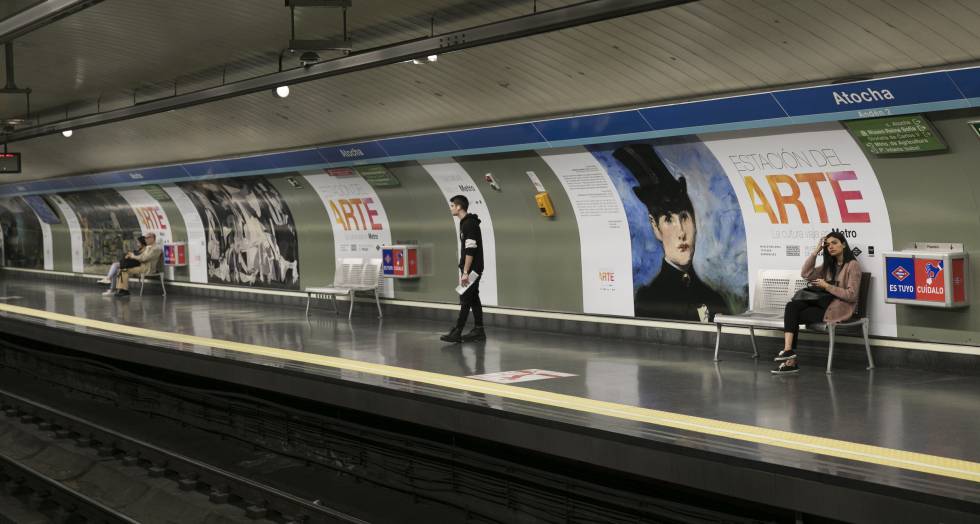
[
  {"x": 109, "y": 227},
  {"x": 251, "y": 235},
  {"x": 20, "y": 235}
]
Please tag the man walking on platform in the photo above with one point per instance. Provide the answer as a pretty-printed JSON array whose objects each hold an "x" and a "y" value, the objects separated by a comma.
[{"x": 470, "y": 261}]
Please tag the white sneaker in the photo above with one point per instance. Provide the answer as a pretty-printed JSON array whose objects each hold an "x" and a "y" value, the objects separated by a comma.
[
  {"x": 105, "y": 281},
  {"x": 109, "y": 293}
]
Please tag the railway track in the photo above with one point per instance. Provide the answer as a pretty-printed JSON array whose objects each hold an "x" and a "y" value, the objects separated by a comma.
[{"x": 258, "y": 502}]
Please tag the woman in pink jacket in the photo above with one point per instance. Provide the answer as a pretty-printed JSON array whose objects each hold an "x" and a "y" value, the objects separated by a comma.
[{"x": 837, "y": 282}]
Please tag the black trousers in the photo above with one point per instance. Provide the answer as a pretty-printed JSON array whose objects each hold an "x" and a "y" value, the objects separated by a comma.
[
  {"x": 470, "y": 300},
  {"x": 797, "y": 313}
]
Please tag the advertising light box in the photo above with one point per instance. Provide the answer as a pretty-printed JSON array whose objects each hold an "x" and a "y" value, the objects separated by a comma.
[
  {"x": 401, "y": 261},
  {"x": 928, "y": 274}
]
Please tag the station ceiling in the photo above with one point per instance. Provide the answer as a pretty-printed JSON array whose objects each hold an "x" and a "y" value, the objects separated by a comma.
[{"x": 120, "y": 52}]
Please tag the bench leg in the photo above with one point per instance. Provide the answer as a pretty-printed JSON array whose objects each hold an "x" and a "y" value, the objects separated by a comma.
[
  {"x": 755, "y": 349},
  {"x": 333, "y": 299},
  {"x": 308, "y": 297},
  {"x": 830, "y": 353},
  {"x": 867, "y": 345},
  {"x": 162, "y": 285},
  {"x": 717, "y": 340},
  {"x": 142, "y": 281},
  {"x": 377, "y": 301},
  {"x": 350, "y": 312}
]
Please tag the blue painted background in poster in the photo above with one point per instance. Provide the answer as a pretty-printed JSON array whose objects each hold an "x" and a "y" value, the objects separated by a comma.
[{"x": 720, "y": 256}]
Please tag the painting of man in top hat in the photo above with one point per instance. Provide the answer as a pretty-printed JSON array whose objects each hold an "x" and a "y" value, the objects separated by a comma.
[{"x": 686, "y": 228}]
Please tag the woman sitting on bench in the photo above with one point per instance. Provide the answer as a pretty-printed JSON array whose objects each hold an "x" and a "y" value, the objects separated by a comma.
[
  {"x": 124, "y": 263},
  {"x": 832, "y": 295}
]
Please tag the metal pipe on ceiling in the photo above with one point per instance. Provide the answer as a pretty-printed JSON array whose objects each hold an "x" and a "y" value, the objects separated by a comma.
[
  {"x": 533, "y": 24},
  {"x": 40, "y": 15}
]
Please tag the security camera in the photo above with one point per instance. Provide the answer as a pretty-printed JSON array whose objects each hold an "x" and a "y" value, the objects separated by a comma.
[{"x": 308, "y": 58}]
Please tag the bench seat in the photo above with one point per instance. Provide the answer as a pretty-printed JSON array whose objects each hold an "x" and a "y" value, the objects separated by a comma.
[
  {"x": 774, "y": 289},
  {"x": 350, "y": 275}
]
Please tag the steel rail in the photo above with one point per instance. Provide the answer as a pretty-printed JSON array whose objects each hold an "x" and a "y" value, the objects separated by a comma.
[
  {"x": 495, "y": 32},
  {"x": 70, "y": 500},
  {"x": 191, "y": 472}
]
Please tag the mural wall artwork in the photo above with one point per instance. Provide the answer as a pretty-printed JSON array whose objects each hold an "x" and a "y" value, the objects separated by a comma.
[
  {"x": 21, "y": 235},
  {"x": 109, "y": 227},
  {"x": 251, "y": 236},
  {"x": 674, "y": 228}
]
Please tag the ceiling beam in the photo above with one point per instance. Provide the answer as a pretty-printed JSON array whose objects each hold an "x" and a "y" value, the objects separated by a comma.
[
  {"x": 542, "y": 22},
  {"x": 39, "y": 16}
]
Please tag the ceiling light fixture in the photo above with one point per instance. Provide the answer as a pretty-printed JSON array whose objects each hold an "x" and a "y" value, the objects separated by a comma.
[
  {"x": 426, "y": 60},
  {"x": 282, "y": 91},
  {"x": 67, "y": 133},
  {"x": 308, "y": 58}
]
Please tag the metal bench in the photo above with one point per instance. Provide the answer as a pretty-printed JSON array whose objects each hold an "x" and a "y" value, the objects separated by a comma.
[
  {"x": 350, "y": 275},
  {"x": 144, "y": 276},
  {"x": 773, "y": 289},
  {"x": 156, "y": 271}
]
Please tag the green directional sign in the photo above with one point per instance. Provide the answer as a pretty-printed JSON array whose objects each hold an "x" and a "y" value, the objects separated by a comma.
[
  {"x": 157, "y": 192},
  {"x": 896, "y": 135},
  {"x": 378, "y": 175}
]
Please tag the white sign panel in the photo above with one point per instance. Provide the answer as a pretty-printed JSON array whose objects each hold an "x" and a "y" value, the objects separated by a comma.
[
  {"x": 360, "y": 224},
  {"x": 522, "y": 375},
  {"x": 75, "y": 233},
  {"x": 796, "y": 187},
  {"x": 453, "y": 180},
  {"x": 197, "y": 248},
  {"x": 604, "y": 236},
  {"x": 46, "y": 242},
  {"x": 149, "y": 213}
]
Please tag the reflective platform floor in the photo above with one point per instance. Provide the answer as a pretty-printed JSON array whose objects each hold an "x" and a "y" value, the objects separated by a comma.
[{"x": 916, "y": 431}]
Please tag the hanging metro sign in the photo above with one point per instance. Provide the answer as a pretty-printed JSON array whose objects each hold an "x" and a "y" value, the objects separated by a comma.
[{"x": 9, "y": 162}]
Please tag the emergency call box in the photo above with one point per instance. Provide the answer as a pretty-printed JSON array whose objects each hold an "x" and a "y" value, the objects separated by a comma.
[
  {"x": 400, "y": 261},
  {"x": 175, "y": 254},
  {"x": 928, "y": 274}
]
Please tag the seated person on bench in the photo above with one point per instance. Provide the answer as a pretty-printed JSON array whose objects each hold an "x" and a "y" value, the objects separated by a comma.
[
  {"x": 838, "y": 280},
  {"x": 123, "y": 263},
  {"x": 148, "y": 259}
]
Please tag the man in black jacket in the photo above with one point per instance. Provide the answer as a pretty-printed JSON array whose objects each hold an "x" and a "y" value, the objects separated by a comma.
[
  {"x": 677, "y": 292},
  {"x": 470, "y": 260}
]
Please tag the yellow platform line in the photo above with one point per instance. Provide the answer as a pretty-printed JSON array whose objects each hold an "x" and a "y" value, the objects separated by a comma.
[{"x": 920, "y": 462}]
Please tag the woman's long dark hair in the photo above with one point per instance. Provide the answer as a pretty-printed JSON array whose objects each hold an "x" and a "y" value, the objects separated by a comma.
[{"x": 829, "y": 262}]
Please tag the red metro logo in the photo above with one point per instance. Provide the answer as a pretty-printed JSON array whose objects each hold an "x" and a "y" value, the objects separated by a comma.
[{"x": 900, "y": 273}]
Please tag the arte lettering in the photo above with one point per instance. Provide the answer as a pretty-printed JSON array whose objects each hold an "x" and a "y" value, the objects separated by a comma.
[
  {"x": 467, "y": 187},
  {"x": 353, "y": 152},
  {"x": 607, "y": 276},
  {"x": 151, "y": 218},
  {"x": 784, "y": 193},
  {"x": 355, "y": 213},
  {"x": 860, "y": 97}
]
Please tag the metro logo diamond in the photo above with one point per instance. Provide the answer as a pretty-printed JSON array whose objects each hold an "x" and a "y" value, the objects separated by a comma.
[{"x": 898, "y": 271}]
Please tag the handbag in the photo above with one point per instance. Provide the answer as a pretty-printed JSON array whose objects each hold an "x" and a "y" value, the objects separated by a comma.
[
  {"x": 814, "y": 295},
  {"x": 129, "y": 263}
]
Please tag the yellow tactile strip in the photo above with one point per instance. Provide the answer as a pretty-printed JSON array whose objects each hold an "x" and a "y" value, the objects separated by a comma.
[{"x": 932, "y": 464}]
